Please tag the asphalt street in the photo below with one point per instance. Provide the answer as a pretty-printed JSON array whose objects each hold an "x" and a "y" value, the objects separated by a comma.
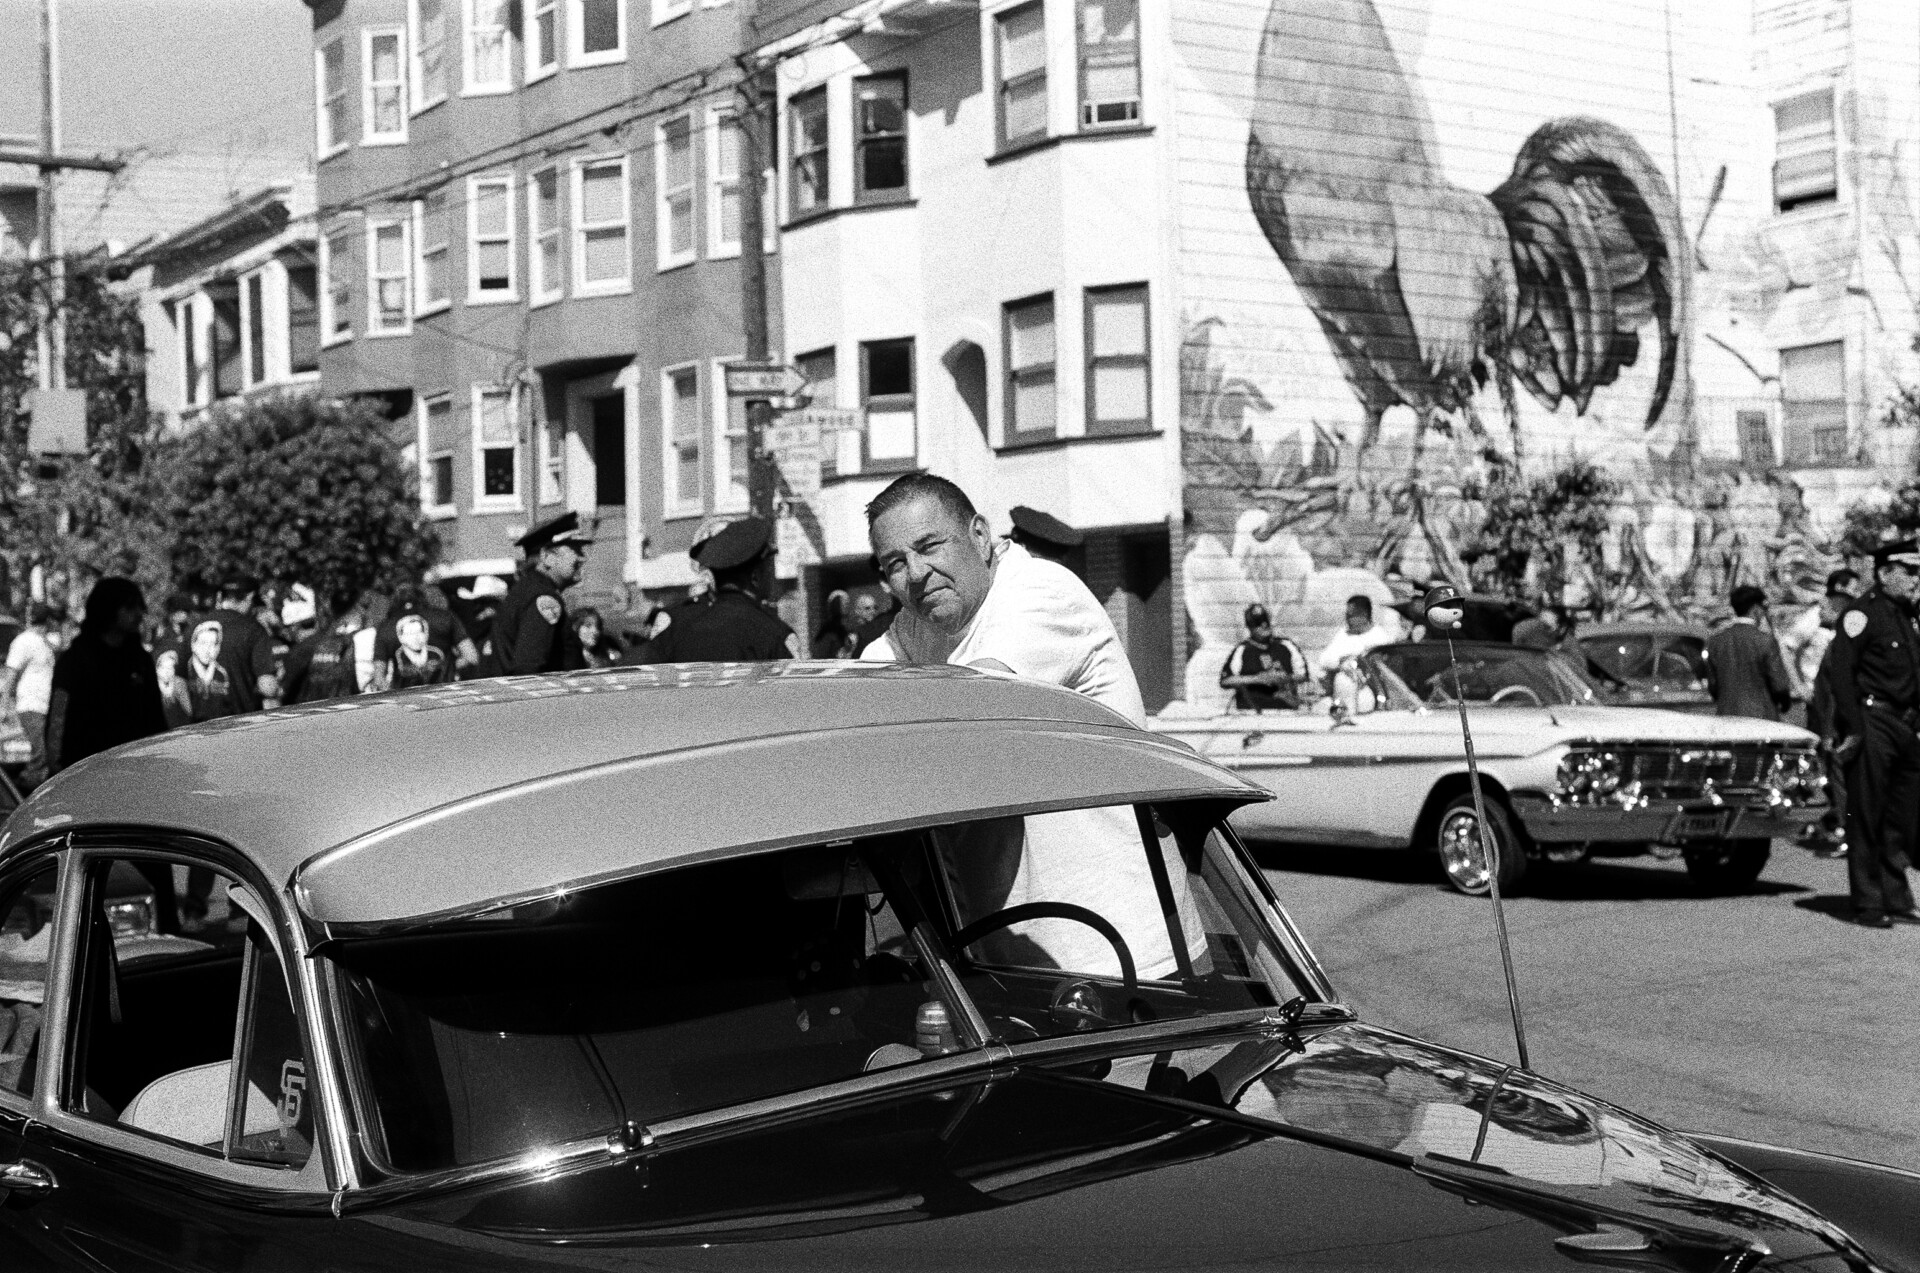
[{"x": 1765, "y": 1016}]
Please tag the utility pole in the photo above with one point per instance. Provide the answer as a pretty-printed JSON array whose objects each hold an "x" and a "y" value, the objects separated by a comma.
[
  {"x": 754, "y": 149},
  {"x": 52, "y": 344}
]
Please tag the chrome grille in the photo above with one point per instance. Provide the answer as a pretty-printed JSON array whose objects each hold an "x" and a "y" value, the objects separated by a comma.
[{"x": 1683, "y": 772}]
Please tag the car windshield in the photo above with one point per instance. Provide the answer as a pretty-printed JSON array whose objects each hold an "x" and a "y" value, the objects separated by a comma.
[
  {"x": 1667, "y": 661},
  {"x": 726, "y": 982},
  {"x": 1489, "y": 675}
]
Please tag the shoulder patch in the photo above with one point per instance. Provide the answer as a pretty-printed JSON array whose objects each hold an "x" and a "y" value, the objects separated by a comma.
[
  {"x": 1854, "y": 623},
  {"x": 549, "y": 608}
]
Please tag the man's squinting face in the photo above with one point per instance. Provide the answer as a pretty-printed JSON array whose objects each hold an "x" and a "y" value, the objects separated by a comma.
[
  {"x": 1358, "y": 620},
  {"x": 1899, "y": 580},
  {"x": 937, "y": 566}
]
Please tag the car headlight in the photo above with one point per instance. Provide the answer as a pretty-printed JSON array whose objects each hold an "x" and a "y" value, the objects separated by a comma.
[
  {"x": 1589, "y": 776},
  {"x": 1796, "y": 777}
]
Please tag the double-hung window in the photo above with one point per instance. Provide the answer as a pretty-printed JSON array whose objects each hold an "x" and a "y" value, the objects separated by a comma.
[
  {"x": 336, "y": 285},
  {"x": 330, "y": 96},
  {"x": 723, "y": 183},
  {"x": 602, "y": 259},
  {"x": 389, "y": 308},
  {"x": 840, "y": 448},
  {"x": 596, "y": 32},
  {"x": 193, "y": 364},
  {"x": 680, "y": 416},
  {"x": 496, "y": 449},
  {"x": 303, "y": 318},
  {"x": 880, "y": 137},
  {"x": 1119, "y": 379},
  {"x": 489, "y": 68},
  {"x": 1020, "y": 51},
  {"x": 1813, "y": 394},
  {"x": 427, "y": 23},
  {"x": 1031, "y": 388},
  {"x": 809, "y": 176},
  {"x": 542, "y": 37},
  {"x": 673, "y": 178},
  {"x": 731, "y": 477},
  {"x": 1109, "y": 63},
  {"x": 1806, "y": 159},
  {"x": 436, "y": 465},
  {"x": 384, "y": 102},
  {"x": 887, "y": 393},
  {"x": 490, "y": 239},
  {"x": 431, "y": 232},
  {"x": 253, "y": 304},
  {"x": 543, "y": 218}
]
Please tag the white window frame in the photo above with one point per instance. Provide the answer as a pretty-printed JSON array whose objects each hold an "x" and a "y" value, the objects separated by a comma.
[
  {"x": 438, "y": 512},
  {"x": 512, "y": 291},
  {"x": 530, "y": 37},
  {"x": 577, "y": 55},
  {"x": 470, "y": 87},
  {"x": 719, "y": 249},
  {"x": 665, "y": 257},
  {"x": 719, "y": 457},
  {"x": 575, "y": 213},
  {"x": 553, "y": 463},
  {"x": 424, "y": 441},
  {"x": 536, "y": 294},
  {"x": 665, "y": 11},
  {"x": 326, "y": 145},
  {"x": 672, "y": 501},
  {"x": 368, "y": 86},
  {"x": 421, "y": 305},
  {"x": 415, "y": 80},
  {"x": 271, "y": 355},
  {"x": 189, "y": 315},
  {"x": 374, "y": 226},
  {"x": 482, "y": 502},
  {"x": 331, "y": 331}
]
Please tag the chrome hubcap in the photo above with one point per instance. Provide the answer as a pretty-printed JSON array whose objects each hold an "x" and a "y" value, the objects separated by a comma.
[{"x": 1460, "y": 855}]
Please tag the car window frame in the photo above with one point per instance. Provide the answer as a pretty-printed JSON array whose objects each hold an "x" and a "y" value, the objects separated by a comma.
[
  {"x": 19, "y": 869},
  {"x": 321, "y": 1177}
]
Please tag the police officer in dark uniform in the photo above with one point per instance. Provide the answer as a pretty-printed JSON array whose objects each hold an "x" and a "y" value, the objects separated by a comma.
[
  {"x": 530, "y": 632},
  {"x": 1264, "y": 670},
  {"x": 737, "y": 625},
  {"x": 1873, "y": 667},
  {"x": 1046, "y": 536}
]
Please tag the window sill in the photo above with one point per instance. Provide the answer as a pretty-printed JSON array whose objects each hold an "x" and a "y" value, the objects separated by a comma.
[
  {"x": 661, "y": 20},
  {"x": 675, "y": 263},
  {"x": 845, "y": 209},
  {"x": 581, "y": 61},
  {"x": 540, "y": 73},
  {"x": 541, "y": 302},
  {"x": 584, "y": 291},
  {"x": 440, "y": 512},
  {"x": 490, "y": 509},
  {"x": 1079, "y": 439},
  {"x": 486, "y": 90},
  {"x": 423, "y": 107},
  {"x": 328, "y": 342},
  {"x": 722, "y": 251},
  {"x": 1016, "y": 149},
  {"x": 341, "y": 149},
  {"x": 437, "y": 307},
  {"x": 388, "y": 140},
  {"x": 391, "y": 333},
  {"x": 682, "y": 514},
  {"x": 494, "y": 298}
]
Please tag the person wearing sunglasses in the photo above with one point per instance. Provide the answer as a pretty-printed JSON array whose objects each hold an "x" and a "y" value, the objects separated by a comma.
[{"x": 1873, "y": 666}]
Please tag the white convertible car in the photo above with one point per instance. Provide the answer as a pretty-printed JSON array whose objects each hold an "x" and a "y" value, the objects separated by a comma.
[{"x": 1566, "y": 778}]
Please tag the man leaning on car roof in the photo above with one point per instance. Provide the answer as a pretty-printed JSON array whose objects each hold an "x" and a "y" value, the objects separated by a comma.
[{"x": 965, "y": 600}]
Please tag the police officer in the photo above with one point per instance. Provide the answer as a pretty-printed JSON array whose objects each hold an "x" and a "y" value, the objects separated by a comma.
[
  {"x": 736, "y": 626},
  {"x": 1873, "y": 667},
  {"x": 530, "y": 632},
  {"x": 1264, "y": 670},
  {"x": 1045, "y": 535}
]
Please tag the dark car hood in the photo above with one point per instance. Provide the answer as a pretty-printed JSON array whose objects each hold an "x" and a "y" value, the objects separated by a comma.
[{"x": 1358, "y": 1148}]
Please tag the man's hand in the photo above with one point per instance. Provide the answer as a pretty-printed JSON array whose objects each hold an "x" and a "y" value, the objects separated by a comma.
[{"x": 1844, "y": 750}]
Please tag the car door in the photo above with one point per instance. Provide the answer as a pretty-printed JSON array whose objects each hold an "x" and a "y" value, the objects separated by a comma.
[
  {"x": 172, "y": 1121},
  {"x": 28, "y": 897}
]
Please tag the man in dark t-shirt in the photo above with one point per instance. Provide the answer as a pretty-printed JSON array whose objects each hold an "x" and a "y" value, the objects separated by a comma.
[
  {"x": 432, "y": 659},
  {"x": 1264, "y": 670},
  {"x": 244, "y": 653},
  {"x": 104, "y": 689}
]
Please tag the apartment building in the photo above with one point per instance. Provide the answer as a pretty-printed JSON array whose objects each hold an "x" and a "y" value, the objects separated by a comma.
[
  {"x": 528, "y": 230},
  {"x": 1181, "y": 274}
]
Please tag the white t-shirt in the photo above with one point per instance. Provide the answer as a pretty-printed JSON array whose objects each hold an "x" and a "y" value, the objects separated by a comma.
[
  {"x": 1039, "y": 620},
  {"x": 1348, "y": 645},
  {"x": 31, "y": 655}
]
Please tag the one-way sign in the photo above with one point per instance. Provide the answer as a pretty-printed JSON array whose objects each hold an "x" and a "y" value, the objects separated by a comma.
[{"x": 763, "y": 380}]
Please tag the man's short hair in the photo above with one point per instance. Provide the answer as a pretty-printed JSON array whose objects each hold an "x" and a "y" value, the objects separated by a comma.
[
  {"x": 912, "y": 486},
  {"x": 1747, "y": 598},
  {"x": 1362, "y": 602},
  {"x": 1842, "y": 582},
  {"x": 238, "y": 588}
]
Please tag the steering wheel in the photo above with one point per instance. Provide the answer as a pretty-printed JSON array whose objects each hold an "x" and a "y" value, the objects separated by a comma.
[
  {"x": 1515, "y": 691},
  {"x": 1012, "y": 915}
]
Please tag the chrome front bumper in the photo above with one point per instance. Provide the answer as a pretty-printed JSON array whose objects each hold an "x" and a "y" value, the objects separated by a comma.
[{"x": 1660, "y": 821}]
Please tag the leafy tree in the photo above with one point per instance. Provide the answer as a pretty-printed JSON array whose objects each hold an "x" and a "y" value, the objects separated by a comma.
[
  {"x": 292, "y": 488},
  {"x": 1868, "y": 525},
  {"x": 1538, "y": 532}
]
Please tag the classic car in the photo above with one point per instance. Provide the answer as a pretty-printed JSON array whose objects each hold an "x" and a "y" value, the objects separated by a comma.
[
  {"x": 1567, "y": 777},
  {"x": 810, "y": 966},
  {"x": 1659, "y": 664}
]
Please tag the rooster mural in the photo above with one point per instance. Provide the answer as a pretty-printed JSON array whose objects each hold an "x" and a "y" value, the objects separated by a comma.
[{"x": 1427, "y": 292}]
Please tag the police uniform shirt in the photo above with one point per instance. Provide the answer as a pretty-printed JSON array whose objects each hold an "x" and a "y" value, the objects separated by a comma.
[
  {"x": 530, "y": 631},
  {"x": 1253, "y": 657},
  {"x": 1875, "y": 654},
  {"x": 734, "y": 628}
]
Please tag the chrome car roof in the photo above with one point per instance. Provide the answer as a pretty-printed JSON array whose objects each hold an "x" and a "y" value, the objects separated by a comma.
[{"x": 395, "y": 807}]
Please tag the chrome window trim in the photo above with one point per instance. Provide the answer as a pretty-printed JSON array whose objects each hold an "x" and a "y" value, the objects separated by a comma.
[{"x": 27, "y": 1105}]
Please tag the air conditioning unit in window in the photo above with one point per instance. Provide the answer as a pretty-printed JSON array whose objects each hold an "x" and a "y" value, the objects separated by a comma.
[{"x": 1096, "y": 114}]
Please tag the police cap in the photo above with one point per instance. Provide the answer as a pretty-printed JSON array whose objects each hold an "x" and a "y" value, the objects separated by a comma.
[
  {"x": 1256, "y": 617},
  {"x": 1048, "y": 529},
  {"x": 736, "y": 544},
  {"x": 1904, "y": 552},
  {"x": 562, "y": 532}
]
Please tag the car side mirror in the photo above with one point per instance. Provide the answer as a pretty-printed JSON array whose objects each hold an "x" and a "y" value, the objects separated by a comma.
[{"x": 1444, "y": 608}]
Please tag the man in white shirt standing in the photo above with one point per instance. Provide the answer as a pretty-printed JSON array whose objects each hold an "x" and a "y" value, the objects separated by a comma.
[
  {"x": 28, "y": 679},
  {"x": 967, "y": 600}
]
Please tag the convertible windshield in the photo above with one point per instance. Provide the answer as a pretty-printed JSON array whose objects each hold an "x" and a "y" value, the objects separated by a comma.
[
  {"x": 732, "y": 981},
  {"x": 1489, "y": 675}
]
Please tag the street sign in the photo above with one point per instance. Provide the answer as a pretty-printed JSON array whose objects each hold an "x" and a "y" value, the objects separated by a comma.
[
  {"x": 58, "y": 424},
  {"x": 763, "y": 380},
  {"x": 826, "y": 419},
  {"x": 794, "y": 547},
  {"x": 796, "y": 452}
]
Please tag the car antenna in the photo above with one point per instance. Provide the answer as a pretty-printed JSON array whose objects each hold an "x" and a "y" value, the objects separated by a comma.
[{"x": 1444, "y": 611}]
